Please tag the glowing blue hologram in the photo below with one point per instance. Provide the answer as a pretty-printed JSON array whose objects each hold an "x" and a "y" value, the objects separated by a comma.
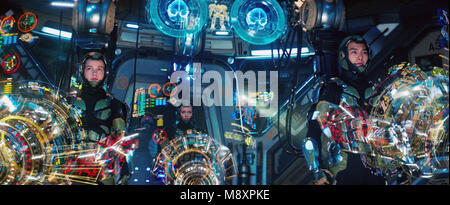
[
  {"x": 258, "y": 22},
  {"x": 177, "y": 18},
  {"x": 257, "y": 19},
  {"x": 178, "y": 11}
]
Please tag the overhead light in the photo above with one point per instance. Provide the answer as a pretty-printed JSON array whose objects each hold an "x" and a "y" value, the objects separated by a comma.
[
  {"x": 56, "y": 32},
  {"x": 188, "y": 68},
  {"x": 62, "y": 4},
  {"x": 174, "y": 67},
  {"x": 130, "y": 25},
  {"x": 222, "y": 33},
  {"x": 268, "y": 52}
]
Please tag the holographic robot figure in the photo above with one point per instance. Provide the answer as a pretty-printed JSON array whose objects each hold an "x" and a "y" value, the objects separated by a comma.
[{"x": 218, "y": 12}]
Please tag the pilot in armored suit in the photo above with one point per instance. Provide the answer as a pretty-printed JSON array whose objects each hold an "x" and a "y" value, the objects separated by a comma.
[
  {"x": 324, "y": 156},
  {"x": 103, "y": 116}
]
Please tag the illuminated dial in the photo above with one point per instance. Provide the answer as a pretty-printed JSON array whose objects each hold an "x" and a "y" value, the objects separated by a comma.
[
  {"x": 10, "y": 63},
  {"x": 170, "y": 89},
  {"x": 159, "y": 136},
  {"x": 153, "y": 90},
  {"x": 7, "y": 25},
  {"x": 27, "y": 22}
]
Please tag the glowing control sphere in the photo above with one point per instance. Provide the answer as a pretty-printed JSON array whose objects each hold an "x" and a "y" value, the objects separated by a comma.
[
  {"x": 258, "y": 22},
  {"x": 194, "y": 159},
  {"x": 27, "y": 22},
  {"x": 178, "y": 17},
  {"x": 407, "y": 127},
  {"x": 409, "y": 122},
  {"x": 37, "y": 130}
]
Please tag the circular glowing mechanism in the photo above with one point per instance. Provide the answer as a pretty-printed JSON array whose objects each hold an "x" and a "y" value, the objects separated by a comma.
[
  {"x": 39, "y": 134},
  {"x": 258, "y": 22},
  {"x": 42, "y": 140},
  {"x": 407, "y": 128},
  {"x": 178, "y": 18},
  {"x": 27, "y": 22},
  {"x": 409, "y": 122},
  {"x": 159, "y": 136},
  {"x": 7, "y": 25},
  {"x": 153, "y": 90},
  {"x": 194, "y": 159},
  {"x": 169, "y": 89},
  {"x": 10, "y": 63}
]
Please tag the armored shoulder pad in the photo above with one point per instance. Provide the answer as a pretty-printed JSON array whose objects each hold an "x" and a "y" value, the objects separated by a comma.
[
  {"x": 118, "y": 109},
  {"x": 331, "y": 92}
]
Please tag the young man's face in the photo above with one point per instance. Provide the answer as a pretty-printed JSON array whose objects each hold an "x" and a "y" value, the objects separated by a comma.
[
  {"x": 357, "y": 53},
  {"x": 186, "y": 113},
  {"x": 94, "y": 70}
]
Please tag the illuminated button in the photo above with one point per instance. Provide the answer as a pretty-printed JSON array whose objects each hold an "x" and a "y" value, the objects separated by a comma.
[{"x": 309, "y": 145}]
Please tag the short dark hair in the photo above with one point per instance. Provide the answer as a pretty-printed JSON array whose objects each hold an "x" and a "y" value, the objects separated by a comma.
[
  {"x": 185, "y": 106},
  {"x": 94, "y": 56}
]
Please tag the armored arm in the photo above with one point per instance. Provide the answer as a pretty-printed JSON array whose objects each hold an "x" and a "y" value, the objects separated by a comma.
[{"x": 118, "y": 116}]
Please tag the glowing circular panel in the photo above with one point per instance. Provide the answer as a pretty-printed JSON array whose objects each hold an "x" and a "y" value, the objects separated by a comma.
[
  {"x": 258, "y": 22},
  {"x": 39, "y": 134},
  {"x": 178, "y": 17},
  {"x": 410, "y": 119},
  {"x": 7, "y": 25},
  {"x": 194, "y": 159},
  {"x": 10, "y": 63},
  {"x": 153, "y": 90},
  {"x": 159, "y": 136},
  {"x": 407, "y": 126},
  {"x": 170, "y": 89},
  {"x": 27, "y": 22}
]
